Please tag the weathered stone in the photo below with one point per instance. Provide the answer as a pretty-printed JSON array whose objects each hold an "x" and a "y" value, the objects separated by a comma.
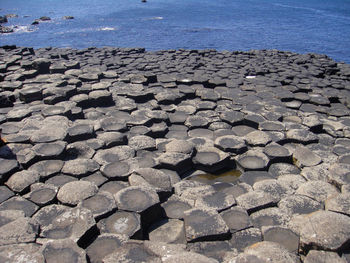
[
  {"x": 271, "y": 216},
  {"x": 251, "y": 177},
  {"x": 73, "y": 192},
  {"x": 267, "y": 252},
  {"x": 253, "y": 160},
  {"x": 325, "y": 230},
  {"x": 305, "y": 157},
  {"x": 80, "y": 167},
  {"x": 245, "y": 238},
  {"x": 114, "y": 154},
  {"x": 80, "y": 132},
  {"x": 255, "y": 200},
  {"x": 204, "y": 224},
  {"x": 21, "y": 204},
  {"x": 100, "y": 204},
  {"x": 168, "y": 231},
  {"x": 211, "y": 159},
  {"x": 155, "y": 178},
  {"x": 16, "y": 228},
  {"x": 21, "y": 253},
  {"x": 113, "y": 186},
  {"x": 299, "y": 204},
  {"x": 317, "y": 190},
  {"x": 49, "y": 150},
  {"x": 179, "y": 162},
  {"x": 64, "y": 250},
  {"x": 339, "y": 203},
  {"x": 282, "y": 236},
  {"x": 274, "y": 188},
  {"x": 257, "y": 138},
  {"x": 104, "y": 245},
  {"x": 42, "y": 194},
  {"x": 142, "y": 142},
  {"x": 236, "y": 218},
  {"x": 111, "y": 139},
  {"x": 216, "y": 200},
  {"x": 47, "y": 168},
  {"x": 7, "y": 167},
  {"x": 20, "y": 181},
  {"x": 175, "y": 207},
  {"x": 122, "y": 223},
  {"x": 79, "y": 150},
  {"x": 60, "y": 180},
  {"x": 179, "y": 146},
  {"x": 231, "y": 143},
  {"x": 319, "y": 256}
]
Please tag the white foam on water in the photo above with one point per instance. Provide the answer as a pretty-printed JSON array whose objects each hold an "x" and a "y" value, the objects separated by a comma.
[
  {"x": 23, "y": 29},
  {"x": 107, "y": 28},
  {"x": 250, "y": 77}
]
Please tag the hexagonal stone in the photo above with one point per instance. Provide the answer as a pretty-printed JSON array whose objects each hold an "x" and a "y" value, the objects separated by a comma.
[
  {"x": 301, "y": 136},
  {"x": 179, "y": 162},
  {"x": 142, "y": 142},
  {"x": 204, "y": 225},
  {"x": 96, "y": 178},
  {"x": 136, "y": 198},
  {"x": 271, "y": 216},
  {"x": 49, "y": 150},
  {"x": 7, "y": 167},
  {"x": 114, "y": 154},
  {"x": 251, "y": 177},
  {"x": 79, "y": 150},
  {"x": 318, "y": 256},
  {"x": 111, "y": 139},
  {"x": 21, "y": 204},
  {"x": 339, "y": 174},
  {"x": 104, "y": 245},
  {"x": 122, "y": 223},
  {"x": 278, "y": 169},
  {"x": 16, "y": 228},
  {"x": 132, "y": 251},
  {"x": 42, "y": 194},
  {"x": 271, "y": 126},
  {"x": 211, "y": 159},
  {"x": 253, "y": 160},
  {"x": 60, "y": 222},
  {"x": 257, "y": 138},
  {"x": 274, "y": 188},
  {"x": 245, "y": 238},
  {"x": 79, "y": 132},
  {"x": 60, "y": 180},
  {"x": 231, "y": 143},
  {"x": 117, "y": 170},
  {"x": 168, "y": 231},
  {"x": 47, "y": 168},
  {"x": 100, "y": 204},
  {"x": 30, "y": 94},
  {"x": 65, "y": 250},
  {"x": 282, "y": 236},
  {"x": 179, "y": 146},
  {"x": 157, "y": 179},
  {"x": 113, "y": 186},
  {"x": 325, "y": 230},
  {"x": 49, "y": 134},
  {"x": 266, "y": 251},
  {"x": 299, "y": 204},
  {"x": 305, "y": 157},
  {"x": 5, "y": 193},
  {"x": 80, "y": 167},
  {"x": 236, "y": 218},
  {"x": 195, "y": 121},
  {"x": 73, "y": 192},
  {"x": 18, "y": 252},
  {"x": 175, "y": 207},
  {"x": 277, "y": 153},
  {"x": 317, "y": 190},
  {"x": 216, "y": 200},
  {"x": 339, "y": 203},
  {"x": 234, "y": 118},
  {"x": 20, "y": 181},
  {"x": 255, "y": 200}
]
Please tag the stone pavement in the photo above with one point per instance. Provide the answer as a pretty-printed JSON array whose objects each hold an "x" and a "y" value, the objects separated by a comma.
[{"x": 122, "y": 155}]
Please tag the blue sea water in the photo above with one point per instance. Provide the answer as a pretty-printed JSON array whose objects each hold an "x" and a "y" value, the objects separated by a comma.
[{"x": 318, "y": 26}]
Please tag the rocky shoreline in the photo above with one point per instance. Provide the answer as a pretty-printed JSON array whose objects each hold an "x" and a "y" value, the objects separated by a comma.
[{"x": 122, "y": 155}]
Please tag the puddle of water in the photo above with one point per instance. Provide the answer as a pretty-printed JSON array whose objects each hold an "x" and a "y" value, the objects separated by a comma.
[{"x": 226, "y": 177}]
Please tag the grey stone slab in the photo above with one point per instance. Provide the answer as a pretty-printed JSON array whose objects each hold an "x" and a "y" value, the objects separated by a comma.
[
  {"x": 21, "y": 204},
  {"x": 305, "y": 157},
  {"x": 204, "y": 224},
  {"x": 64, "y": 250},
  {"x": 325, "y": 230},
  {"x": 20, "y": 181},
  {"x": 282, "y": 236},
  {"x": 104, "y": 245},
  {"x": 339, "y": 203},
  {"x": 49, "y": 150},
  {"x": 114, "y": 154},
  {"x": 80, "y": 167},
  {"x": 255, "y": 200},
  {"x": 236, "y": 218},
  {"x": 319, "y": 256},
  {"x": 210, "y": 159},
  {"x": 271, "y": 216},
  {"x": 245, "y": 238},
  {"x": 21, "y": 253},
  {"x": 216, "y": 200},
  {"x": 317, "y": 190},
  {"x": 231, "y": 143},
  {"x": 7, "y": 167},
  {"x": 73, "y": 192},
  {"x": 47, "y": 168},
  {"x": 299, "y": 204},
  {"x": 42, "y": 194},
  {"x": 16, "y": 228},
  {"x": 100, "y": 204},
  {"x": 168, "y": 231},
  {"x": 253, "y": 160}
]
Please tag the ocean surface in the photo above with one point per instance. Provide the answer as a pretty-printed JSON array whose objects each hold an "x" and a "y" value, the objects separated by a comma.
[{"x": 303, "y": 26}]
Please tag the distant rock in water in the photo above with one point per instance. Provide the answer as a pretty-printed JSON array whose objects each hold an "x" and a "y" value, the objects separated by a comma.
[
  {"x": 5, "y": 29},
  {"x": 35, "y": 22},
  {"x": 143, "y": 1},
  {"x": 44, "y": 18},
  {"x": 3, "y": 19},
  {"x": 11, "y": 15},
  {"x": 68, "y": 17}
]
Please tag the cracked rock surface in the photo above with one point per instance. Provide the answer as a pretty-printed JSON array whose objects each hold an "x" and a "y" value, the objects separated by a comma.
[{"x": 124, "y": 155}]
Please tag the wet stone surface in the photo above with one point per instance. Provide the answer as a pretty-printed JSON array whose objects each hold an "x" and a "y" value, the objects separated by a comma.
[{"x": 124, "y": 155}]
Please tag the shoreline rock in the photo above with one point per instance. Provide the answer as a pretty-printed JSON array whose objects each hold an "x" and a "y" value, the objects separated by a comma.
[{"x": 122, "y": 153}]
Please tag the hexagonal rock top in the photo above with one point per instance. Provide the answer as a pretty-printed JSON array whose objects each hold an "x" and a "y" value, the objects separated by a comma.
[
  {"x": 326, "y": 230},
  {"x": 205, "y": 225},
  {"x": 73, "y": 192},
  {"x": 136, "y": 198}
]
